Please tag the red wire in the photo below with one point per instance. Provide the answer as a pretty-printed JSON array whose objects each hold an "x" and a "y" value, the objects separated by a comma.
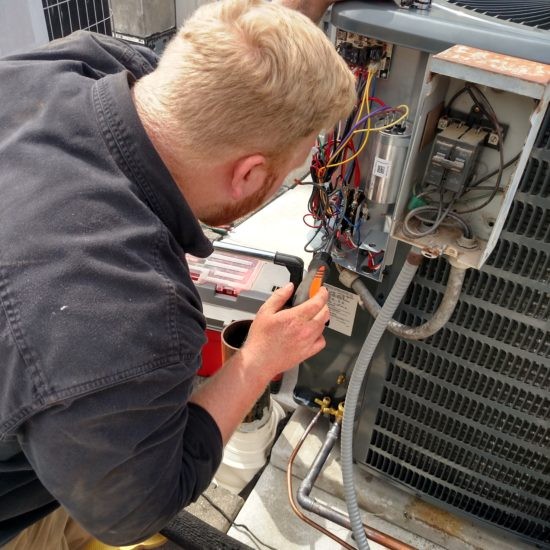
[
  {"x": 356, "y": 169},
  {"x": 357, "y": 174},
  {"x": 371, "y": 264},
  {"x": 376, "y": 100}
]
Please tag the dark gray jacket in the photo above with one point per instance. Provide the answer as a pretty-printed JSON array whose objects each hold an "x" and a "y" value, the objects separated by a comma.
[{"x": 100, "y": 325}]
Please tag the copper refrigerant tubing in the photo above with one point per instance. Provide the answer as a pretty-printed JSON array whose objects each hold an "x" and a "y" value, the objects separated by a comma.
[{"x": 324, "y": 511}]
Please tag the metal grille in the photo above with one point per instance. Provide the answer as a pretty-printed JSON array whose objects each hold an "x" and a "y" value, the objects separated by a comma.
[
  {"x": 534, "y": 13},
  {"x": 463, "y": 417},
  {"x": 66, "y": 16}
]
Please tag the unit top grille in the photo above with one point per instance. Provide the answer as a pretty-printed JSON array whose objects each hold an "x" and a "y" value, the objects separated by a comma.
[{"x": 533, "y": 13}]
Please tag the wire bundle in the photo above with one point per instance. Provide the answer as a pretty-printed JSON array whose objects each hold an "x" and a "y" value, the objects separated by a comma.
[{"x": 337, "y": 200}]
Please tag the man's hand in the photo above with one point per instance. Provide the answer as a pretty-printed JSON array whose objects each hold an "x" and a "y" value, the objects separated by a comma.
[
  {"x": 314, "y": 9},
  {"x": 280, "y": 339}
]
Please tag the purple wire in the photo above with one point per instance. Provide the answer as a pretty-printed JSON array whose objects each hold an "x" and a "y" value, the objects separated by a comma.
[{"x": 364, "y": 119}]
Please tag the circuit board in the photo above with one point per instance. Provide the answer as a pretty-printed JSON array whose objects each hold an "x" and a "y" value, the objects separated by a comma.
[{"x": 362, "y": 51}]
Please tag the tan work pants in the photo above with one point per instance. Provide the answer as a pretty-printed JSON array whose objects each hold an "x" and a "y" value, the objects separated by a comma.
[{"x": 58, "y": 531}]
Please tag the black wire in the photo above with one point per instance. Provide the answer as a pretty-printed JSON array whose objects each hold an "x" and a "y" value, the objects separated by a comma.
[
  {"x": 445, "y": 218},
  {"x": 479, "y": 188},
  {"x": 454, "y": 98},
  {"x": 360, "y": 88},
  {"x": 494, "y": 172},
  {"x": 306, "y": 249},
  {"x": 255, "y": 539},
  {"x": 349, "y": 173},
  {"x": 319, "y": 204},
  {"x": 448, "y": 219},
  {"x": 482, "y": 103},
  {"x": 487, "y": 108}
]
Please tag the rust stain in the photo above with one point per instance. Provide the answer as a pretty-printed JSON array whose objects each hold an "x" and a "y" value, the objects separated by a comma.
[
  {"x": 435, "y": 517},
  {"x": 431, "y": 251},
  {"x": 529, "y": 71}
]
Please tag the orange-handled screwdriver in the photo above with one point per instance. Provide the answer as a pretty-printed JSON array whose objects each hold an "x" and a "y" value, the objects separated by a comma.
[{"x": 317, "y": 273}]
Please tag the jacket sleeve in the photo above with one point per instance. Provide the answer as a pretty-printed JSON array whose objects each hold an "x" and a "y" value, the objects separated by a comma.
[
  {"x": 123, "y": 461},
  {"x": 98, "y": 54}
]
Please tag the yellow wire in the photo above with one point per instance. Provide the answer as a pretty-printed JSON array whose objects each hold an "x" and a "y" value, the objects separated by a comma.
[
  {"x": 370, "y": 76},
  {"x": 403, "y": 117},
  {"x": 364, "y": 101},
  {"x": 367, "y": 131},
  {"x": 369, "y": 124}
]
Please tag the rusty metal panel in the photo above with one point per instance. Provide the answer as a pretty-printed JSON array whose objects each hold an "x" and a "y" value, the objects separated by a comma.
[
  {"x": 504, "y": 72},
  {"x": 529, "y": 71}
]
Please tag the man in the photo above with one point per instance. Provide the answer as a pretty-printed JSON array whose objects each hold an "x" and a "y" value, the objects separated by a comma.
[{"x": 107, "y": 162}]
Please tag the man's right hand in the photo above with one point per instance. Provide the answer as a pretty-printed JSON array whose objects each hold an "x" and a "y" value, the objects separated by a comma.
[{"x": 280, "y": 339}]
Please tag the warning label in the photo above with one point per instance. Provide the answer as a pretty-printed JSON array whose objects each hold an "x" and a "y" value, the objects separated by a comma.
[{"x": 343, "y": 306}]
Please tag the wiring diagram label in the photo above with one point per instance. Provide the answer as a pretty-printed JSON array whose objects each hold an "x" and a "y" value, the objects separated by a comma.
[
  {"x": 381, "y": 168},
  {"x": 343, "y": 306}
]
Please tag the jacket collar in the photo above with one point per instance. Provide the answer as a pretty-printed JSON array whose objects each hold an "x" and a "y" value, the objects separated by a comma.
[{"x": 134, "y": 152}]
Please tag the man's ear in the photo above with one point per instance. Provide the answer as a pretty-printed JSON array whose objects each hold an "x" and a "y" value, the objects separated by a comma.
[{"x": 248, "y": 175}]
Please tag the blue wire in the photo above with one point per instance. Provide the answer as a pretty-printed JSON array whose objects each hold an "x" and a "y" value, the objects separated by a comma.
[{"x": 373, "y": 86}]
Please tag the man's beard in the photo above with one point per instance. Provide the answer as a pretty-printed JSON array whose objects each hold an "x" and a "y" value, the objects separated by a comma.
[{"x": 229, "y": 213}]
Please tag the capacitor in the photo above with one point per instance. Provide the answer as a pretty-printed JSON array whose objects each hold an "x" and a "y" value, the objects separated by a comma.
[{"x": 385, "y": 161}]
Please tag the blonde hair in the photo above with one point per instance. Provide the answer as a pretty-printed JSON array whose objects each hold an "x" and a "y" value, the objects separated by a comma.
[{"x": 247, "y": 76}]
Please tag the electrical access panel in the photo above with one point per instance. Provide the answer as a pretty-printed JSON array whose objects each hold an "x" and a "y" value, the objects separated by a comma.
[{"x": 431, "y": 160}]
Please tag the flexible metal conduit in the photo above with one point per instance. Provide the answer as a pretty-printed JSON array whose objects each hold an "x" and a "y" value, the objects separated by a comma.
[
  {"x": 304, "y": 498},
  {"x": 438, "y": 319},
  {"x": 352, "y": 397}
]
